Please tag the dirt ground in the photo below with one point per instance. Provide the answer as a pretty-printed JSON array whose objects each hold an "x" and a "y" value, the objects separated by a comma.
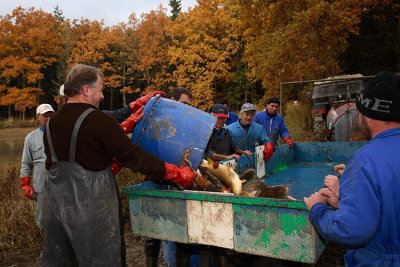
[{"x": 332, "y": 256}]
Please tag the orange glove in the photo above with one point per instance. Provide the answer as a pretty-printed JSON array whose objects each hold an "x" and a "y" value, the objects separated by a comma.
[
  {"x": 268, "y": 150},
  {"x": 289, "y": 141},
  {"x": 27, "y": 187},
  {"x": 141, "y": 102},
  {"x": 128, "y": 124},
  {"x": 181, "y": 176},
  {"x": 115, "y": 166}
]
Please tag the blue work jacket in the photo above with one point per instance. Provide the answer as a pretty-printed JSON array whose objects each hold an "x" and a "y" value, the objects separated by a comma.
[
  {"x": 247, "y": 140},
  {"x": 233, "y": 117},
  {"x": 368, "y": 218},
  {"x": 274, "y": 126}
]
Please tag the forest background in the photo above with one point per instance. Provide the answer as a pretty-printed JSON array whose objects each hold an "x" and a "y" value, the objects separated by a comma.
[{"x": 237, "y": 49}]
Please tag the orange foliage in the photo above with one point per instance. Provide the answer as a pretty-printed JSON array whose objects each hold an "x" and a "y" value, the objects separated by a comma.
[
  {"x": 205, "y": 44},
  {"x": 296, "y": 40},
  {"x": 29, "y": 45},
  {"x": 153, "y": 44}
]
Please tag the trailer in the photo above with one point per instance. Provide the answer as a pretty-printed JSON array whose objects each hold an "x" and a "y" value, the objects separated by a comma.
[{"x": 277, "y": 228}]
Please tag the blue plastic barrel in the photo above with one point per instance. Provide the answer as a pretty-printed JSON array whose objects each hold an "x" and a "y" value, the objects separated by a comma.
[{"x": 169, "y": 128}]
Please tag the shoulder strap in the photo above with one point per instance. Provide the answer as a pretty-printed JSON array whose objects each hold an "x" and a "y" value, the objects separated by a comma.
[
  {"x": 78, "y": 123},
  {"x": 52, "y": 152}
]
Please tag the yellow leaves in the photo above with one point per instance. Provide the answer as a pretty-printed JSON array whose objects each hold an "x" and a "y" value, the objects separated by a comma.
[
  {"x": 296, "y": 40},
  {"x": 21, "y": 98},
  {"x": 203, "y": 49}
]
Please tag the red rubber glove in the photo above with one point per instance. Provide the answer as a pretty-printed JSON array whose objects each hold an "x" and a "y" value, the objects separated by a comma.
[
  {"x": 27, "y": 187},
  {"x": 289, "y": 141},
  {"x": 128, "y": 124},
  {"x": 181, "y": 176},
  {"x": 115, "y": 166},
  {"x": 268, "y": 150},
  {"x": 141, "y": 102}
]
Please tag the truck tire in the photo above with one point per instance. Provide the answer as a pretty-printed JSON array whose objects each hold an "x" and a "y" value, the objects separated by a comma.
[{"x": 319, "y": 131}]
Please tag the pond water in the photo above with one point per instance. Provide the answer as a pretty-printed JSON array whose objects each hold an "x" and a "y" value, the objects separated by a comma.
[{"x": 11, "y": 145}]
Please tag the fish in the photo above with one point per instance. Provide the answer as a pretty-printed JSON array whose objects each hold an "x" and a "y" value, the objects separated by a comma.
[
  {"x": 212, "y": 179},
  {"x": 247, "y": 175},
  {"x": 276, "y": 191},
  {"x": 257, "y": 188},
  {"x": 225, "y": 174}
]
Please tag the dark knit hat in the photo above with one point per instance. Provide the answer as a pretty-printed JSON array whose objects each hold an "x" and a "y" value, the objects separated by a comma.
[
  {"x": 380, "y": 98},
  {"x": 274, "y": 100}
]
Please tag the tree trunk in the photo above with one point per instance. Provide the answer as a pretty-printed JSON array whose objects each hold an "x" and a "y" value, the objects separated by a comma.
[
  {"x": 123, "y": 86},
  {"x": 112, "y": 98}
]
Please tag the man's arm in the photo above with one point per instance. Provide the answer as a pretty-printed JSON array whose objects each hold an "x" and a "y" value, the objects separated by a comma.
[
  {"x": 26, "y": 170},
  {"x": 356, "y": 220},
  {"x": 120, "y": 114},
  {"x": 283, "y": 130},
  {"x": 27, "y": 159}
]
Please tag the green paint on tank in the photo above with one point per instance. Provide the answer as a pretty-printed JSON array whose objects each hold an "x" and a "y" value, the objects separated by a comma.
[
  {"x": 264, "y": 240},
  {"x": 284, "y": 245},
  {"x": 275, "y": 251},
  {"x": 281, "y": 166},
  {"x": 204, "y": 196},
  {"x": 291, "y": 225},
  {"x": 301, "y": 258}
]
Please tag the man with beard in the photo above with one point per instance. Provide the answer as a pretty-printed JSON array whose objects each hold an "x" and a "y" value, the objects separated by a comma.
[{"x": 367, "y": 218}]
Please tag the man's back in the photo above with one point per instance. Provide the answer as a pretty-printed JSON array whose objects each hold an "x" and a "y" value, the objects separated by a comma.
[
  {"x": 379, "y": 160},
  {"x": 368, "y": 218}
]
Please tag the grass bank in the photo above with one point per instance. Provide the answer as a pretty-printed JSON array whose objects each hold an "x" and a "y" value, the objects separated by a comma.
[
  {"x": 19, "y": 235},
  {"x": 299, "y": 121},
  {"x": 16, "y": 123}
]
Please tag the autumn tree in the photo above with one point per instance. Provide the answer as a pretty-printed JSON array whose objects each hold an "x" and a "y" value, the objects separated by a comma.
[
  {"x": 29, "y": 44},
  {"x": 153, "y": 46},
  {"x": 204, "y": 47},
  {"x": 295, "y": 40}
]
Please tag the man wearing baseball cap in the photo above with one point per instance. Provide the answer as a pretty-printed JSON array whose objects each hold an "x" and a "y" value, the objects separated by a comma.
[
  {"x": 220, "y": 145},
  {"x": 33, "y": 159},
  {"x": 368, "y": 216},
  {"x": 246, "y": 134}
]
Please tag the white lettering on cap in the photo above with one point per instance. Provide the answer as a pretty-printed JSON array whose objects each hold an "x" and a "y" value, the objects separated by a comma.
[
  {"x": 382, "y": 105},
  {"x": 364, "y": 101},
  {"x": 379, "y": 105}
]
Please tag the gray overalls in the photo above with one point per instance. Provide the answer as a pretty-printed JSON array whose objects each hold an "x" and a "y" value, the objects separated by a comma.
[{"x": 81, "y": 212}]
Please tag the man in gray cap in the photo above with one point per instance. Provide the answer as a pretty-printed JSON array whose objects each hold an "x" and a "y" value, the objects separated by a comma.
[
  {"x": 246, "y": 134},
  {"x": 367, "y": 219},
  {"x": 33, "y": 158}
]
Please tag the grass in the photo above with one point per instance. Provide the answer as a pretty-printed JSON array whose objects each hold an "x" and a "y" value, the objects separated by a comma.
[
  {"x": 15, "y": 123},
  {"x": 19, "y": 235},
  {"x": 299, "y": 121},
  {"x": 18, "y": 228}
]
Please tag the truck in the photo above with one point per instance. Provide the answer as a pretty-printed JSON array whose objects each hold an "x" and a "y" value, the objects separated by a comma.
[{"x": 334, "y": 110}]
